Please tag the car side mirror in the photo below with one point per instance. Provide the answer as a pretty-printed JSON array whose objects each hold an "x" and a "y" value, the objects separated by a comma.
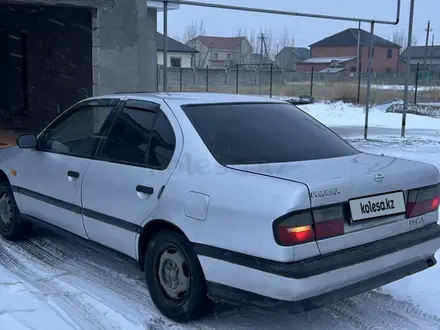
[{"x": 27, "y": 141}]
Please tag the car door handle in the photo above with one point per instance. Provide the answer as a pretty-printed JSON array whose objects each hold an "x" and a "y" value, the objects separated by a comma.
[
  {"x": 73, "y": 174},
  {"x": 145, "y": 190}
]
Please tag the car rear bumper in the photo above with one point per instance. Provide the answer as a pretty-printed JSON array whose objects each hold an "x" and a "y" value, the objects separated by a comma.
[{"x": 321, "y": 280}]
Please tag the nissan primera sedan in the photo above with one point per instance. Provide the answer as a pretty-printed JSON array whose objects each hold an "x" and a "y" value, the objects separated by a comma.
[{"x": 224, "y": 198}]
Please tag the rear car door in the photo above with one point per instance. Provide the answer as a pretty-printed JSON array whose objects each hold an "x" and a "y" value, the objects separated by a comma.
[
  {"x": 122, "y": 187},
  {"x": 50, "y": 177}
]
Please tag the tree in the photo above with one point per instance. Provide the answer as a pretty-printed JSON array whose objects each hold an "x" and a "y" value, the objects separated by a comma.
[
  {"x": 192, "y": 30},
  {"x": 400, "y": 37}
]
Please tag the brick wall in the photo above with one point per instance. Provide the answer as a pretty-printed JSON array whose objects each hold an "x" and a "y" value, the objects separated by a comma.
[{"x": 380, "y": 60}]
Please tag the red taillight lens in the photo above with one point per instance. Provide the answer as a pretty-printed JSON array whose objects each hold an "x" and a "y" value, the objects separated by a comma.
[
  {"x": 329, "y": 222},
  {"x": 307, "y": 226},
  {"x": 422, "y": 201},
  {"x": 295, "y": 228}
]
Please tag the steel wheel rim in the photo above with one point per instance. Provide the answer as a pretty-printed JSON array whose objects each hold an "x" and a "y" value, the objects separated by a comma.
[
  {"x": 174, "y": 274},
  {"x": 6, "y": 211}
]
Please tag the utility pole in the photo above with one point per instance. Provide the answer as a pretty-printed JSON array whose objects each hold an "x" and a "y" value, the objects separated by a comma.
[
  {"x": 408, "y": 67},
  {"x": 358, "y": 53},
  {"x": 261, "y": 47},
  {"x": 428, "y": 30},
  {"x": 432, "y": 52}
]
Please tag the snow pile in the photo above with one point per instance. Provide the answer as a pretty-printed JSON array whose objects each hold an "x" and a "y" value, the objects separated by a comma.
[
  {"x": 402, "y": 87},
  {"x": 344, "y": 114}
]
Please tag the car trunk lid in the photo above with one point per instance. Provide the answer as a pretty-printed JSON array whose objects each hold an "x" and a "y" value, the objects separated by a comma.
[{"x": 372, "y": 190}]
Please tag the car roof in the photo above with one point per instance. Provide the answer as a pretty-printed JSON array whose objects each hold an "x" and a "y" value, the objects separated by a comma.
[{"x": 185, "y": 98}]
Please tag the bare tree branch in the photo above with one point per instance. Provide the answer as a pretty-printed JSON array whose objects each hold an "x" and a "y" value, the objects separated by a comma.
[{"x": 192, "y": 30}]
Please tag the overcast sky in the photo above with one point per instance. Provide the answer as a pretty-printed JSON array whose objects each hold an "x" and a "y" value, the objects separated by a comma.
[{"x": 221, "y": 22}]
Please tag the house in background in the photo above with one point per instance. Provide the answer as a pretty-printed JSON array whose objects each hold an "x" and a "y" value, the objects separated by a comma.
[
  {"x": 288, "y": 57},
  {"x": 220, "y": 52},
  {"x": 340, "y": 50},
  {"x": 258, "y": 59},
  {"x": 179, "y": 54},
  {"x": 418, "y": 55}
]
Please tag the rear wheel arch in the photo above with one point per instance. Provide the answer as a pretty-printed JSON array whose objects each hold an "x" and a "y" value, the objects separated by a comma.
[
  {"x": 148, "y": 231},
  {"x": 4, "y": 177}
]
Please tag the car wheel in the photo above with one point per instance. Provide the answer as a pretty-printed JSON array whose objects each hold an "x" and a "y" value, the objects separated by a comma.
[
  {"x": 11, "y": 227},
  {"x": 175, "y": 278}
]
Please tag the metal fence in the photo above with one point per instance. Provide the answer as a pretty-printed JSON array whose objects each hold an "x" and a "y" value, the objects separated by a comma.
[{"x": 267, "y": 79}]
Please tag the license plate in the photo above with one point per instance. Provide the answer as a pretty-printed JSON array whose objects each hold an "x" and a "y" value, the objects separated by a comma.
[{"x": 377, "y": 206}]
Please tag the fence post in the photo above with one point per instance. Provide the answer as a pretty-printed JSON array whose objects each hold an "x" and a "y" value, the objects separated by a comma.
[
  {"x": 359, "y": 83},
  {"x": 236, "y": 80},
  {"x": 271, "y": 79},
  {"x": 207, "y": 78},
  {"x": 158, "y": 77},
  {"x": 181, "y": 78},
  {"x": 311, "y": 81},
  {"x": 417, "y": 83}
]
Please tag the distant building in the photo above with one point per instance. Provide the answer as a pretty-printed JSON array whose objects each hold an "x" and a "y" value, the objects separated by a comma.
[
  {"x": 258, "y": 59},
  {"x": 179, "y": 54},
  {"x": 340, "y": 50},
  {"x": 221, "y": 52},
  {"x": 418, "y": 55},
  {"x": 288, "y": 57}
]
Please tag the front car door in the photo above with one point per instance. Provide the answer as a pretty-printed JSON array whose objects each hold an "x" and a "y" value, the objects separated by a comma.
[
  {"x": 121, "y": 188},
  {"x": 50, "y": 177}
]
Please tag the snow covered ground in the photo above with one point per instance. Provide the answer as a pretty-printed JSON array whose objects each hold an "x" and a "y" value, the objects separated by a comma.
[
  {"x": 65, "y": 283},
  {"x": 402, "y": 87},
  {"x": 342, "y": 114}
]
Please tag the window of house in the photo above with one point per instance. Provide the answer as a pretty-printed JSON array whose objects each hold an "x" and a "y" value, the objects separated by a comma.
[
  {"x": 176, "y": 62},
  {"x": 388, "y": 70},
  {"x": 353, "y": 69},
  {"x": 228, "y": 57},
  {"x": 215, "y": 56},
  {"x": 389, "y": 53}
]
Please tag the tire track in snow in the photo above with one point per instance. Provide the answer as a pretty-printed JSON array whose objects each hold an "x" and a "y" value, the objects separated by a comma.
[
  {"x": 403, "y": 308},
  {"x": 47, "y": 290},
  {"x": 73, "y": 258}
]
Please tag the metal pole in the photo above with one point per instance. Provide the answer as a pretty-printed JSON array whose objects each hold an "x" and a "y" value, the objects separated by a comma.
[
  {"x": 417, "y": 83},
  {"x": 181, "y": 79},
  {"x": 165, "y": 46},
  {"x": 207, "y": 78},
  {"x": 432, "y": 53},
  {"x": 271, "y": 78},
  {"x": 408, "y": 67},
  {"x": 288, "y": 13},
  {"x": 236, "y": 80},
  {"x": 428, "y": 29},
  {"x": 370, "y": 64},
  {"x": 311, "y": 81},
  {"x": 359, "y": 83},
  {"x": 358, "y": 51}
]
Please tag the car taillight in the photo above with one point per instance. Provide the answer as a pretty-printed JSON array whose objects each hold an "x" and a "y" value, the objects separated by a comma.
[
  {"x": 422, "y": 201},
  {"x": 329, "y": 222},
  {"x": 309, "y": 225}
]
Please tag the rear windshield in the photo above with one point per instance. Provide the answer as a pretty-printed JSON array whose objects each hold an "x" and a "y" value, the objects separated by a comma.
[{"x": 245, "y": 133}]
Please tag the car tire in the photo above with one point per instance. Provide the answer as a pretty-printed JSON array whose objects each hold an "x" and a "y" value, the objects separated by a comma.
[
  {"x": 11, "y": 226},
  {"x": 175, "y": 278}
]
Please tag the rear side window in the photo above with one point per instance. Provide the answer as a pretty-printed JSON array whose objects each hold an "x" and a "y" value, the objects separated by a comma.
[
  {"x": 141, "y": 137},
  {"x": 246, "y": 133}
]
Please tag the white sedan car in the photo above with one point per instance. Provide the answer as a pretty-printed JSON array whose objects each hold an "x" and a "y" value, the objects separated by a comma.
[{"x": 224, "y": 197}]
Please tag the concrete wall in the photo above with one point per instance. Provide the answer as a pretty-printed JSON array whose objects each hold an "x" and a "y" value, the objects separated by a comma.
[
  {"x": 124, "y": 48},
  {"x": 184, "y": 57}
]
